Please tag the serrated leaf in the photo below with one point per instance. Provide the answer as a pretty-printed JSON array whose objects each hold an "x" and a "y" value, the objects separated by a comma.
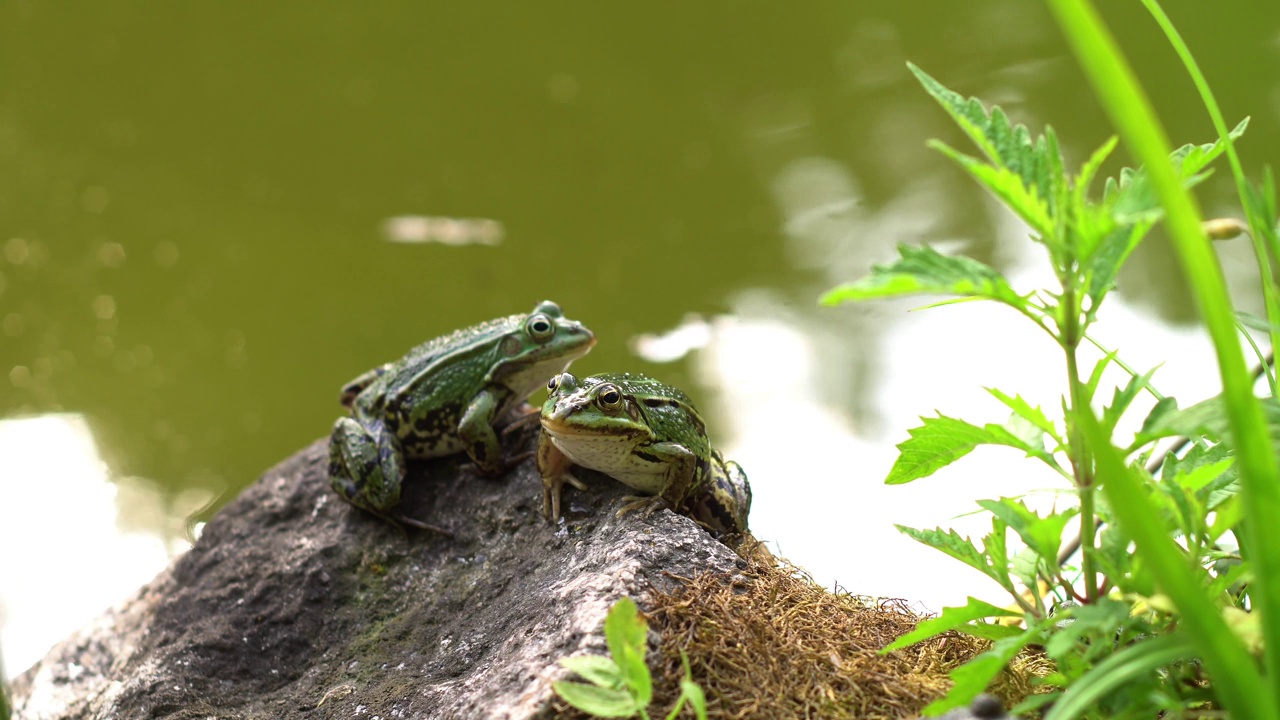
[
  {"x": 626, "y": 633},
  {"x": 942, "y": 440},
  {"x": 972, "y": 678},
  {"x": 596, "y": 669},
  {"x": 1041, "y": 534},
  {"x": 995, "y": 548},
  {"x": 1158, "y": 416},
  {"x": 1122, "y": 398},
  {"x": 962, "y": 549},
  {"x": 1006, "y": 185},
  {"x": 1023, "y": 409},
  {"x": 956, "y": 618},
  {"x": 1208, "y": 419},
  {"x": 1038, "y": 162},
  {"x": 601, "y": 702},
  {"x": 923, "y": 270}
]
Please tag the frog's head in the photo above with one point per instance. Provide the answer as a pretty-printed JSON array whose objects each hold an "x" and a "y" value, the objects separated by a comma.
[
  {"x": 538, "y": 346},
  {"x": 591, "y": 407}
]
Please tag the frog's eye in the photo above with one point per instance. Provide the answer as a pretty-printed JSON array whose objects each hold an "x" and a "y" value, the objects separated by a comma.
[
  {"x": 553, "y": 383},
  {"x": 609, "y": 398},
  {"x": 540, "y": 327}
]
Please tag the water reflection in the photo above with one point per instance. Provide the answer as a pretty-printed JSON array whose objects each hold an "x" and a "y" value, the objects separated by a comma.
[{"x": 67, "y": 555}]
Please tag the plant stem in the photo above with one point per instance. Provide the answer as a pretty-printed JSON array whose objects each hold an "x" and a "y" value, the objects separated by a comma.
[{"x": 1081, "y": 460}]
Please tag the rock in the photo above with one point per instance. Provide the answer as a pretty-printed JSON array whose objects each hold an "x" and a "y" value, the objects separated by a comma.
[{"x": 295, "y": 604}]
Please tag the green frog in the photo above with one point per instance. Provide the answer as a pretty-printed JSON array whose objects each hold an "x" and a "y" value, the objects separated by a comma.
[
  {"x": 446, "y": 396},
  {"x": 649, "y": 436}
]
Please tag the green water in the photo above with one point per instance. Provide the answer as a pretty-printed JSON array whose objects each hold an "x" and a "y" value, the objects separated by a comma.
[{"x": 192, "y": 195}]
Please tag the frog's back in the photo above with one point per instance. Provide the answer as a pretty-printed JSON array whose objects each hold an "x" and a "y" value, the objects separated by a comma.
[
  {"x": 458, "y": 358},
  {"x": 430, "y": 352}
]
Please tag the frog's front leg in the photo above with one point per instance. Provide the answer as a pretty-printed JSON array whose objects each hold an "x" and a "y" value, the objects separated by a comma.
[
  {"x": 553, "y": 466},
  {"x": 479, "y": 440},
  {"x": 681, "y": 471}
]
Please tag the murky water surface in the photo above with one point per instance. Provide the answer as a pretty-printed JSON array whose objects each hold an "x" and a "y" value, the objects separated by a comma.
[{"x": 212, "y": 216}]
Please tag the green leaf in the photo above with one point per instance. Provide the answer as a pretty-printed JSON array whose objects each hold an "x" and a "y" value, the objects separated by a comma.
[
  {"x": 1130, "y": 663},
  {"x": 971, "y": 678},
  {"x": 1006, "y": 185},
  {"x": 1209, "y": 419},
  {"x": 1037, "y": 162},
  {"x": 691, "y": 691},
  {"x": 943, "y": 440},
  {"x": 922, "y": 270},
  {"x": 957, "y": 618},
  {"x": 596, "y": 669},
  {"x": 1122, "y": 398},
  {"x": 601, "y": 702},
  {"x": 1041, "y": 534},
  {"x": 626, "y": 632},
  {"x": 962, "y": 549},
  {"x": 1023, "y": 409}
]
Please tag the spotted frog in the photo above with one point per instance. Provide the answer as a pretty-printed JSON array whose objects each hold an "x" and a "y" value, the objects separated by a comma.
[
  {"x": 446, "y": 396},
  {"x": 646, "y": 434}
]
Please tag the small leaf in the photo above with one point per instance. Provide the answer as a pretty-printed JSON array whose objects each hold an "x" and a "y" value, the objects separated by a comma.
[
  {"x": 1041, "y": 534},
  {"x": 956, "y": 618},
  {"x": 601, "y": 702},
  {"x": 1122, "y": 398},
  {"x": 922, "y": 270},
  {"x": 960, "y": 548},
  {"x": 626, "y": 633},
  {"x": 1006, "y": 185},
  {"x": 943, "y": 440},
  {"x": 691, "y": 691},
  {"x": 1023, "y": 409},
  {"x": 596, "y": 669}
]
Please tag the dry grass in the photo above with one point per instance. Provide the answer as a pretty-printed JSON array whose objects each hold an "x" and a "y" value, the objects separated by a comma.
[{"x": 771, "y": 643}]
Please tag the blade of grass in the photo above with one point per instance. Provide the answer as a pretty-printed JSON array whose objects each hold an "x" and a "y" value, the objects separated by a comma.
[
  {"x": 1131, "y": 112},
  {"x": 1237, "y": 171},
  {"x": 1236, "y": 681}
]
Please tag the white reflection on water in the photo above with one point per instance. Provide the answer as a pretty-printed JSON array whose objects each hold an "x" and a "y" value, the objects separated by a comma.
[{"x": 65, "y": 557}]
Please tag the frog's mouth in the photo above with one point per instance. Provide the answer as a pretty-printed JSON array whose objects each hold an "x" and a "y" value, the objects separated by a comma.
[{"x": 556, "y": 426}]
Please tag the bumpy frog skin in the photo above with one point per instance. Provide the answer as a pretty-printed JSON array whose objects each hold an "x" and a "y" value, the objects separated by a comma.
[
  {"x": 446, "y": 396},
  {"x": 645, "y": 434}
]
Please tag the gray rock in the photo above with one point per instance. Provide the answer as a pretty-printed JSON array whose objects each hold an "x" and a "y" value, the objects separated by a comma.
[{"x": 295, "y": 604}]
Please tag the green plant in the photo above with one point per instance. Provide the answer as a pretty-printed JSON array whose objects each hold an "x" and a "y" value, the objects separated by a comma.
[
  {"x": 6, "y": 708},
  {"x": 621, "y": 685},
  {"x": 1165, "y": 629}
]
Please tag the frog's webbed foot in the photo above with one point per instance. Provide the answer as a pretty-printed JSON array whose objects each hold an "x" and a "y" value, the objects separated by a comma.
[{"x": 647, "y": 504}]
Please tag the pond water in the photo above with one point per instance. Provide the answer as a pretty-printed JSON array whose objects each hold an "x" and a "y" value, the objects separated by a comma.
[{"x": 214, "y": 215}]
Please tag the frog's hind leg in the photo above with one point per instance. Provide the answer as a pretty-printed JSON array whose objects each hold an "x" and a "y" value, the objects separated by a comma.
[
  {"x": 365, "y": 467},
  {"x": 368, "y": 472},
  {"x": 353, "y": 461}
]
